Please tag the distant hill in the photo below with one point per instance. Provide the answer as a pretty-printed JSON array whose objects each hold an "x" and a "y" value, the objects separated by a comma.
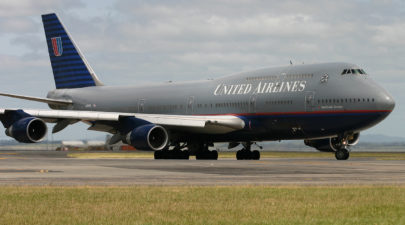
[{"x": 380, "y": 138}]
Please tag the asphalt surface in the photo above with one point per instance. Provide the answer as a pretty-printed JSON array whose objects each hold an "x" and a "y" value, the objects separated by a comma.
[{"x": 54, "y": 168}]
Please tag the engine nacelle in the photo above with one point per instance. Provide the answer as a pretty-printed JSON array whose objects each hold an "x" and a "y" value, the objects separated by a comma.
[
  {"x": 323, "y": 145},
  {"x": 332, "y": 144},
  {"x": 28, "y": 130},
  {"x": 353, "y": 139},
  {"x": 148, "y": 137}
]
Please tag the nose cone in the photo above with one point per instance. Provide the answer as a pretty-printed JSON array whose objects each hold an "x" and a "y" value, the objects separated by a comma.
[
  {"x": 389, "y": 103},
  {"x": 385, "y": 102}
]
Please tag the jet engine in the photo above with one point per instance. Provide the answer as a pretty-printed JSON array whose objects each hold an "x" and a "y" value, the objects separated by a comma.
[
  {"x": 28, "y": 130},
  {"x": 323, "y": 145},
  {"x": 148, "y": 137},
  {"x": 332, "y": 144}
]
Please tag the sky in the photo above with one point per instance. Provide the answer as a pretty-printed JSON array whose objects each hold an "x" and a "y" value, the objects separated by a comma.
[{"x": 138, "y": 42}]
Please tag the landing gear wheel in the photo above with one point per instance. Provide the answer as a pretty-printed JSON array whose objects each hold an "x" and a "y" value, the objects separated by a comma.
[
  {"x": 207, "y": 155},
  {"x": 255, "y": 155},
  {"x": 342, "y": 154},
  {"x": 247, "y": 155},
  {"x": 214, "y": 154},
  {"x": 157, "y": 155},
  {"x": 171, "y": 154}
]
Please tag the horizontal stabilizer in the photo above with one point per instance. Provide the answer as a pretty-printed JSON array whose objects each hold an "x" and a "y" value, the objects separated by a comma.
[{"x": 36, "y": 99}]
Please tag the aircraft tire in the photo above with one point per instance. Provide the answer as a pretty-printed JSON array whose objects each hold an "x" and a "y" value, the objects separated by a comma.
[
  {"x": 247, "y": 155},
  {"x": 158, "y": 155},
  {"x": 171, "y": 154},
  {"x": 239, "y": 155},
  {"x": 255, "y": 155},
  {"x": 342, "y": 154},
  {"x": 207, "y": 155},
  {"x": 185, "y": 154},
  {"x": 214, "y": 154},
  {"x": 244, "y": 155}
]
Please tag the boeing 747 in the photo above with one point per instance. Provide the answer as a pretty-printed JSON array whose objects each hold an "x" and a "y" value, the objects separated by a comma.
[{"x": 326, "y": 105}]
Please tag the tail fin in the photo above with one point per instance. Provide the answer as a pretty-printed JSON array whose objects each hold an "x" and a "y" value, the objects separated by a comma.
[{"x": 70, "y": 68}]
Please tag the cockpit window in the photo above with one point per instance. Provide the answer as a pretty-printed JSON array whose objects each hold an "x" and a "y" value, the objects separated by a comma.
[
  {"x": 344, "y": 72},
  {"x": 353, "y": 71}
]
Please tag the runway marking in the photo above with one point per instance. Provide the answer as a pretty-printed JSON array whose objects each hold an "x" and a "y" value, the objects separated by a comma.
[{"x": 27, "y": 171}]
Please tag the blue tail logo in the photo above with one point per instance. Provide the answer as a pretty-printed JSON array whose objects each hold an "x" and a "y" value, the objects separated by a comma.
[{"x": 57, "y": 46}]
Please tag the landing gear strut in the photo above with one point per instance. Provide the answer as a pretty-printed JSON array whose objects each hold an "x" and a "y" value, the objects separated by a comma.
[{"x": 246, "y": 153}]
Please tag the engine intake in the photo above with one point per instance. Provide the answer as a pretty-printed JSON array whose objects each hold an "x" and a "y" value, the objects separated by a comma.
[
  {"x": 148, "y": 137},
  {"x": 28, "y": 130}
]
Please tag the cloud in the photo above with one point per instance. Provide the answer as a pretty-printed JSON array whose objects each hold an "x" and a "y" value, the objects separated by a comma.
[
  {"x": 12, "y": 8},
  {"x": 390, "y": 34}
]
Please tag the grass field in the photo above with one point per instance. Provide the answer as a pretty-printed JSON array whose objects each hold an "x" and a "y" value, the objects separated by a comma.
[
  {"x": 264, "y": 154},
  {"x": 203, "y": 205}
]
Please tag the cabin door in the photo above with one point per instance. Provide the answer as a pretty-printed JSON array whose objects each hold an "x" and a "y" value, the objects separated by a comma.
[
  {"x": 309, "y": 101},
  {"x": 141, "y": 106},
  {"x": 252, "y": 104},
  {"x": 190, "y": 103}
]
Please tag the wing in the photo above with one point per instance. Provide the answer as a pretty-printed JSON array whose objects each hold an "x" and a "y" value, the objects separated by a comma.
[{"x": 107, "y": 121}]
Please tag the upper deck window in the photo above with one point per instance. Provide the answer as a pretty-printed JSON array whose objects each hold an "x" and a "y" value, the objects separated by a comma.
[{"x": 353, "y": 71}]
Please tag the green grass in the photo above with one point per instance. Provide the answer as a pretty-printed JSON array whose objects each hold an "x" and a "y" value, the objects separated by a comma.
[
  {"x": 203, "y": 205},
  {"x": 149, "y": 155}
]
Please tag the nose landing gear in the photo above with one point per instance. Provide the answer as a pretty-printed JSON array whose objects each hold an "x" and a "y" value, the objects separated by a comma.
[
  {"x": 341, "y": 147},
  {"x": 342, "y": 154}
]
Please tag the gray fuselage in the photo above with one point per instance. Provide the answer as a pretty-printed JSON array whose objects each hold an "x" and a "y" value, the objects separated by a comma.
[{"x": 291, "y": 102}]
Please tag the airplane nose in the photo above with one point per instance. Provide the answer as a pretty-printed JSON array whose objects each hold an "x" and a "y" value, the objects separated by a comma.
[
  {"x": 386, "y": 102},
  {"x": 390, "y": 103}
]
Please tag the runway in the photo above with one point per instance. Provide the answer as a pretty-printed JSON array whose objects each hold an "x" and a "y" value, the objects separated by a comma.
[{"x": 54, "y": 168}]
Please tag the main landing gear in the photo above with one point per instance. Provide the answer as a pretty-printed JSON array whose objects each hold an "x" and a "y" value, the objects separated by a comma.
[
  {"x": 202, "y": 152},
  {"x": 175, "y": 153},
  {"x": 184, "y": 151},
  {"x": 246, "y": 153}
]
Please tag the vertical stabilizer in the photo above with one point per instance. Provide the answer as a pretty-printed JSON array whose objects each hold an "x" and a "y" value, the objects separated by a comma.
[{"x": 70, "y": 68}]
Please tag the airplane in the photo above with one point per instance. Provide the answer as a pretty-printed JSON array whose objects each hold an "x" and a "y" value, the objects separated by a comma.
[{"x": 327, "y": 105}]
